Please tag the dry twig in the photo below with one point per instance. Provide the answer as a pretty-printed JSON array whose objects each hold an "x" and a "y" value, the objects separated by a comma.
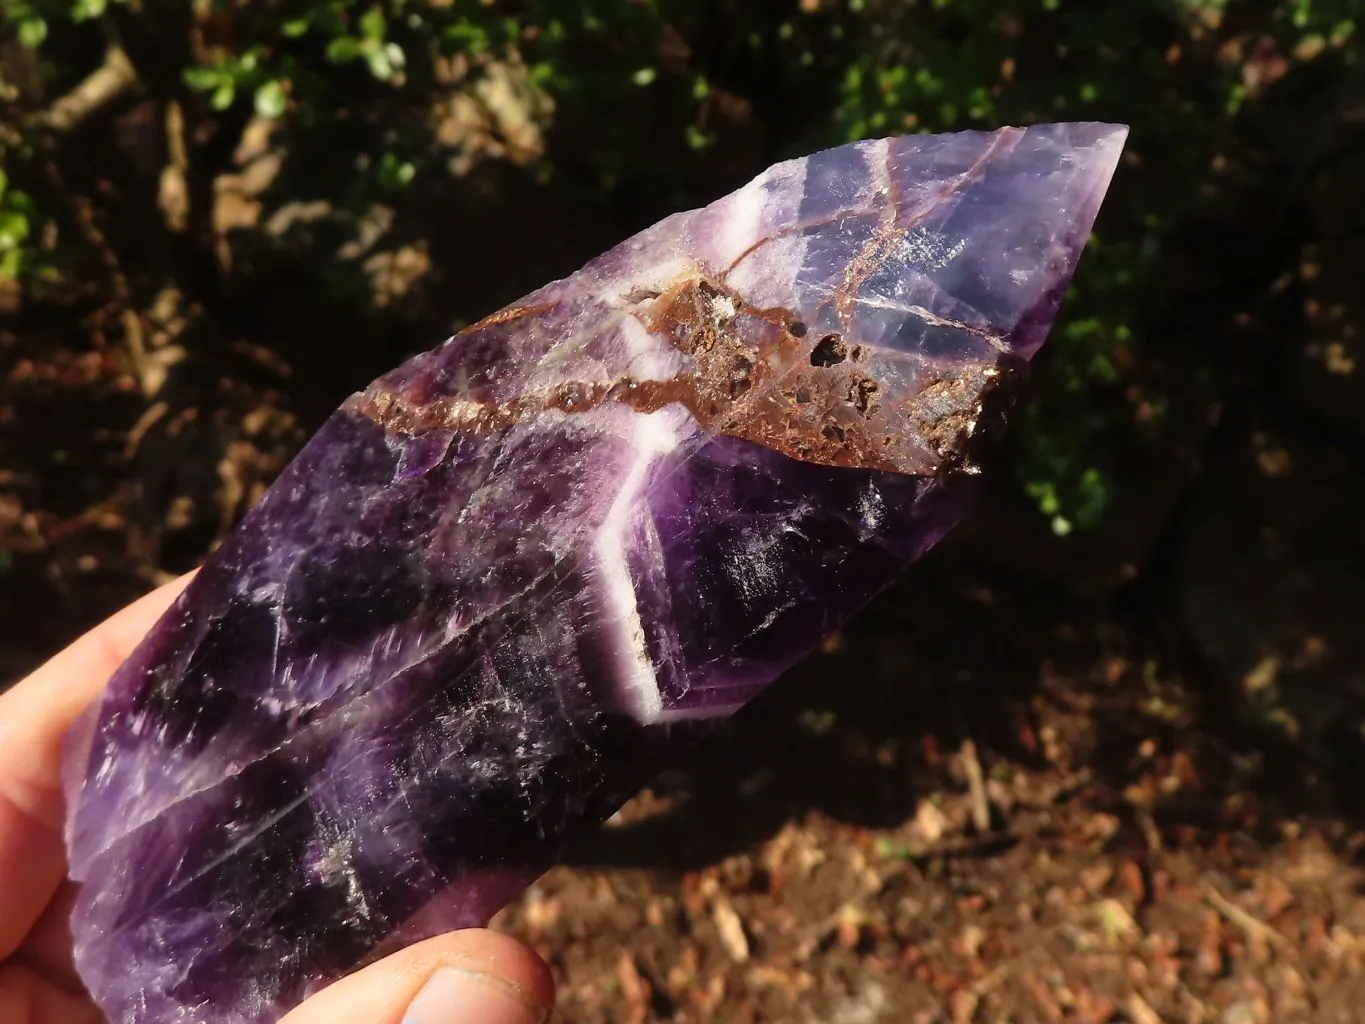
[
  {"x": 1141, "y": 1011},
  {"x": 103, "y": 85},
  {"x": 1254, "y": 928},
  {"x": 976, "y": 787}
]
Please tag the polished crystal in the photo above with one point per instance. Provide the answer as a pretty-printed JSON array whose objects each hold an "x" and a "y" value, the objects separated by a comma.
[{"x": 510, "y": 579}]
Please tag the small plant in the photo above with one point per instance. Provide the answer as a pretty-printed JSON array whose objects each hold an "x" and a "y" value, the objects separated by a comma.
[
  {"x": 16, "y": 229},
  {"x": 355, "y": 82}
]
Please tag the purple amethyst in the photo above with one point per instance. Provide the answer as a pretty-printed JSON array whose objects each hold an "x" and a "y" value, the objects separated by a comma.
[{"x": 507, "y": 582}]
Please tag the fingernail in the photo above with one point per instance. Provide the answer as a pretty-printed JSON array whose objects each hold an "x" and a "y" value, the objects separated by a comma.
[{"x": 455, "y": 996}]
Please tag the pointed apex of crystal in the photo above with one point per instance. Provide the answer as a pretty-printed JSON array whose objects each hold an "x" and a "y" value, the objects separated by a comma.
[
  {"x": 512, "y": 578},
  {"x": 980, "y": 229}
]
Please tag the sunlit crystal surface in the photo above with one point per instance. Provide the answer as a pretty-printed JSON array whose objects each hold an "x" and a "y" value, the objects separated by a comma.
[{"x": 504, "y": 584}]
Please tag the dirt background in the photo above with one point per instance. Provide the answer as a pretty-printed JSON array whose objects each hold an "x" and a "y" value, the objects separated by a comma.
[{"x": 1108, "y": 777}]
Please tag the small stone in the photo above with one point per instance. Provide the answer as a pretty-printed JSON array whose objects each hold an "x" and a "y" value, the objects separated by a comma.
[{"x": 730, "y": 929}]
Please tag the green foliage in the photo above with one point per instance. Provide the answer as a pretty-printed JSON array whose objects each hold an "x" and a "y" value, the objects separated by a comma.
[
  {"x": 17, "y": 215},
  {"x": 381, "y": 36},
  {"x": 31, "y": 19},
  {"x": 355, "y": 82},
  {"x": 937, "y": 65},
  {"x": 269, "y": 68}
]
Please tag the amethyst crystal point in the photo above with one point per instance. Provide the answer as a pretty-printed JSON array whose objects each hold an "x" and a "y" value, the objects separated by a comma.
[{"x": 504, "y": 583}]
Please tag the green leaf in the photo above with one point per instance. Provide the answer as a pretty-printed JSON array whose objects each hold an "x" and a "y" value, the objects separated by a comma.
[
  {"x": 294, "y": 28},
  {"x": 1044, "y": 493},
  {"x": 343, "y": 49},
  {"x": 372, "y": 24},
  {"x": 696, "y": 138},
  {"x": 201, "y": 79},
  {"x": 394, "y": 173},
  {"x": 271, "y": 100},
  {"x": 14, "y": 229},
  {"x": 32, "y": 30},
  {"x": 223, "y": 96},
  {"x": 468, "y": 36},
  {"x": 380, "y": 66},
  {"x": 85, "y": 10}
]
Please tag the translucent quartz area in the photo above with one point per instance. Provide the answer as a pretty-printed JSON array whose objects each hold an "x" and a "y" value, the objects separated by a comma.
[{"x": 507, "y": 582}]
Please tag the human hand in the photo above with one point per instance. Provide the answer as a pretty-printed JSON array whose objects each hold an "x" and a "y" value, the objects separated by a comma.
[{"x": 465, "y": 977}]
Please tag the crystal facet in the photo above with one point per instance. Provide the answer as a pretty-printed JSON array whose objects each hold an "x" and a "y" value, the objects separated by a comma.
[{"x": 505, "y": 583}]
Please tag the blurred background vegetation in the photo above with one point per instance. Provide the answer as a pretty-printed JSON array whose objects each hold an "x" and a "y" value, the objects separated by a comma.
[{"x": 218, "y": 218}]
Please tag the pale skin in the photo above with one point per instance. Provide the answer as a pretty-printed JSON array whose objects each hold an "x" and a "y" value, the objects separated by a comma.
[{"x": 38, "y": 982}]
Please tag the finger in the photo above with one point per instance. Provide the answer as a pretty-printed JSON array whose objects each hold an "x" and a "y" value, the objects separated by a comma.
[
  {"x": 27, "y": 998},
  {"x": 465, "y": 977},
  {"x": 34, "y": 715},
  {"x": 47, "y": 946},
  {"x": 36, "y": 712}
]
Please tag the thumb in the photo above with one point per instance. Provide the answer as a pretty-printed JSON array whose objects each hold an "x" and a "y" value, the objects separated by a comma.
[{"x": 465, "y": 977}]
